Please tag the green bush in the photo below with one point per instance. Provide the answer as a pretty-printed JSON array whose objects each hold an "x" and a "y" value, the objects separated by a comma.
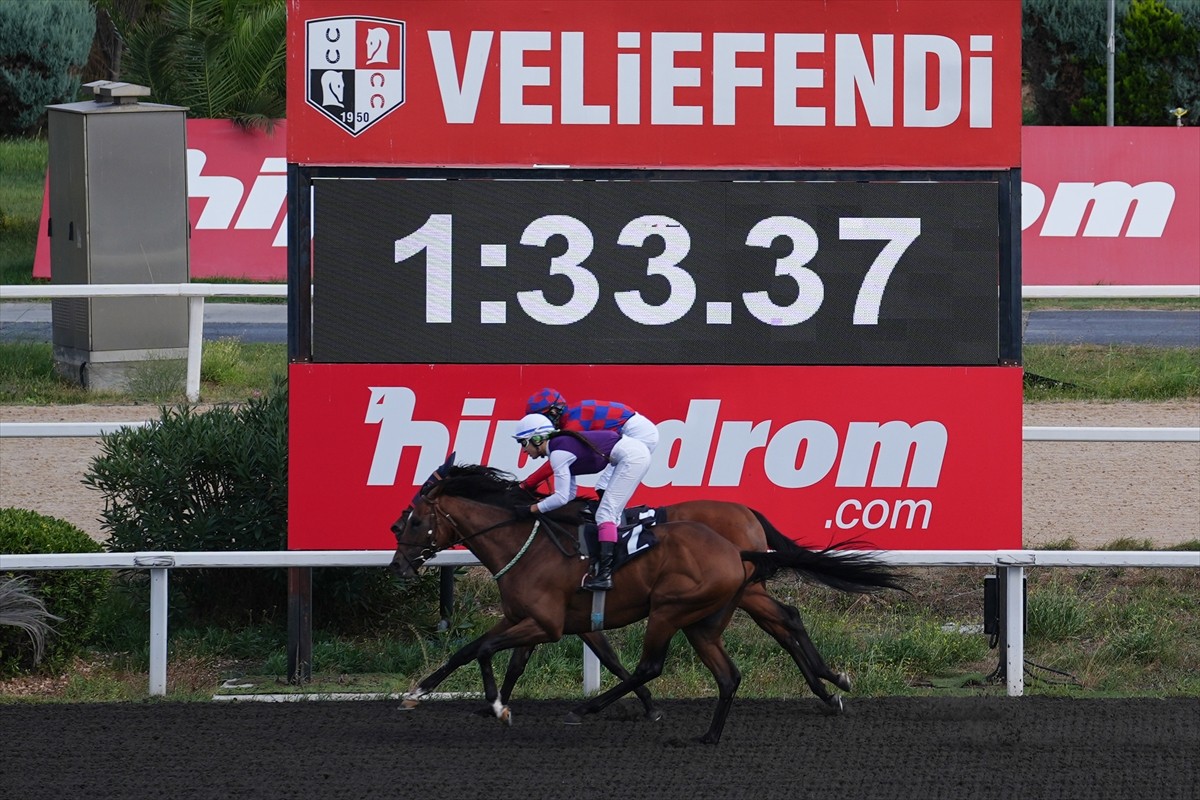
[
  {"x": 203, "y": 481},
  {"x": 43, "y": 47},
  {"x": 73, "y": 595},
  {"x": 216, "y": 481}
]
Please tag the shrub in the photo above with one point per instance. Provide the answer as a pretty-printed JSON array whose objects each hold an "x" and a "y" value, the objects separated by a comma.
[
  {"x": 43, "y": 47},
  {"x": 217, "y": 481},
  {"x": 72, "y": 595},
  {"x": 203, "y": 481}
]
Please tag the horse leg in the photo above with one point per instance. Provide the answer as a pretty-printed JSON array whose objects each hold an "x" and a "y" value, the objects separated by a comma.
[
  {"x": 655, "y": 644},
  {"x": 497, "y": 704},
  {"x": 470, "y": 652},
  {"x": 516, "y": 668},
  {"x": 774, "y": 618},
  {"x": 503, "y": 635},
  {"x": 599, "y": 644},
  {"x": 706, "y": 640},
  {"x": 839, "y": 679}
]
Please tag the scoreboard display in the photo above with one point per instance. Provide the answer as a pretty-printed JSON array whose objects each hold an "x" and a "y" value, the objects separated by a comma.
[{"x": 702, "y": 269}]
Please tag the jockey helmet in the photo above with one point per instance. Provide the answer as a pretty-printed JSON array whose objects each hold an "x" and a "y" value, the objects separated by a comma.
[
  {"x": 535, "y": 428},
  {"x": 547, "y": 401}
]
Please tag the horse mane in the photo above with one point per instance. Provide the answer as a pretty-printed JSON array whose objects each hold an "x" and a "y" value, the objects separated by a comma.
[
  {"x": 496, "y": 487},
  {"x": 485, "y": 484}
]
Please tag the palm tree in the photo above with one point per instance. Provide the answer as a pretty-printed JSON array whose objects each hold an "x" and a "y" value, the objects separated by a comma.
[{"x": 223, "y": 59}]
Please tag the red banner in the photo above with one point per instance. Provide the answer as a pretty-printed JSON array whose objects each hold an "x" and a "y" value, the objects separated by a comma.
[
  {"x": 671, "y": 83},
  {"x": 906, "y": 458},
  {"x": 1111, "y": 206}
]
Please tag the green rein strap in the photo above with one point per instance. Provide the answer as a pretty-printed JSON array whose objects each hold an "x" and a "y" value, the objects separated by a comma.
[{"x": 536, "y": 524}]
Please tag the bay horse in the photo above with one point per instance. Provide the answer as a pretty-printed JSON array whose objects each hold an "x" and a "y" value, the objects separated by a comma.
[
  {"x": 745, "y": 528},
  {"x": 691, "y": 580}
]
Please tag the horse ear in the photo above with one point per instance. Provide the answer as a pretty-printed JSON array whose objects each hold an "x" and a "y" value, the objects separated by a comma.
[{"x": 444, "y": 468}]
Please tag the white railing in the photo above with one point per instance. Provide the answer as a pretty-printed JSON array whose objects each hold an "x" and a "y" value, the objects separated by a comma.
[
  {"x": 1107, "y": 292},
  {"x": 1013, "y": 562},
  {"x": 195, "y": 292}
]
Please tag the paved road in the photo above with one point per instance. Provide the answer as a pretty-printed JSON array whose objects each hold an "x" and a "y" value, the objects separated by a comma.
[
  {"x": 250, "y": 322},
  {"x": 255, "y": 322}
]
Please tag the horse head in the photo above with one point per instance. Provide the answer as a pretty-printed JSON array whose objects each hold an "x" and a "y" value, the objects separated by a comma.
[{"x": 404, "y": 563}]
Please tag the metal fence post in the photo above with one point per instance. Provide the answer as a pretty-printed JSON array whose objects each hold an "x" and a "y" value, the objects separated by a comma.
[
  {"x": 195, "y": 345},
  {"x": 1014, "y": 620},
  {"x": 158, "y": 631}
]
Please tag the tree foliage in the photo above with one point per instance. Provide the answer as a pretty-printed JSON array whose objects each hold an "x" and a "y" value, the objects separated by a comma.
[
  {"x": 222, "y": 59},
  {"x": 1157, "y": 60},
  {"x": 43, "y": 47}
]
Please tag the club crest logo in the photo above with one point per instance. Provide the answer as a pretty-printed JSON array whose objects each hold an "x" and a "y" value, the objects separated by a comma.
[{"x": 355, "y": 69}]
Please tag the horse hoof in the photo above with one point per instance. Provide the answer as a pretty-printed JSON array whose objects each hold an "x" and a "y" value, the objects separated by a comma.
[
  {"x": 843, "y": 682},
  {"x": 572, "y": 719},
  {"x": 654, "y": 716},
  {"x": 833, "y": 706},
  {"x": 505, "y": 716},
  {"x": 408, "y": 704}
]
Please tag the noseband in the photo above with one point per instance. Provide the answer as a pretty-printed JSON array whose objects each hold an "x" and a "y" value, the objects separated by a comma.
[{"x": 430, "y": 547}]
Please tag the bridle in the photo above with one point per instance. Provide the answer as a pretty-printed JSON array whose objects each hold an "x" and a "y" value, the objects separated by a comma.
[{"x": 430, "y": 548}]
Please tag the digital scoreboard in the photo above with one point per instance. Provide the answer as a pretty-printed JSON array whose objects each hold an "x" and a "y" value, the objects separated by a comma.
[{"x": 699, "y": 269}]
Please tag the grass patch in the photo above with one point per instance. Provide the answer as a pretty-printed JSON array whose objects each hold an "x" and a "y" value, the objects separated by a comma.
[
  {"x": 1113, "y": 304},
  {"x": 230, "y": 371},
  {"x": 1102, "y": 372}
]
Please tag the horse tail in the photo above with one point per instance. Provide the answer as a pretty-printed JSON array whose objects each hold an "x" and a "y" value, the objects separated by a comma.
[
  {"x": 775, "y": 539},
  {"x": 844, "y": 570}
]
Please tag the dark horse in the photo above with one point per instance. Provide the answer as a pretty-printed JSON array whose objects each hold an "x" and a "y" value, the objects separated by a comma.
[
  {"x": 691, "y": 580},
  {"x": 746, "y": 529}
]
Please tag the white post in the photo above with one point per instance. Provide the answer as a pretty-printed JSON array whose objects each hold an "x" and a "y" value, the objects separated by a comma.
[
  {"x": 591, "y": 671},
  {"x": 158, "y": 632},
  {"x": 1014, "y": 613},
  {"x": 195, "y": 345}
]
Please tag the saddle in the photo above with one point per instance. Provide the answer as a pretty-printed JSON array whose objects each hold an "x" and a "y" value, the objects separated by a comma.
[{"x": 635, "y": 533}]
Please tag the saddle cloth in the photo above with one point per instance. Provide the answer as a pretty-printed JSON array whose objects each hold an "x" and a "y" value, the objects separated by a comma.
[{"x": 635, "y": 534}]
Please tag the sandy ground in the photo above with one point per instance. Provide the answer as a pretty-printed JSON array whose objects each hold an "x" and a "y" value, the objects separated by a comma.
[{"x": 1092, "y": 492}]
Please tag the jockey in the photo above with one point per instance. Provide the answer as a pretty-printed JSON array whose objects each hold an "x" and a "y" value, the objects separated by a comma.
[
  {"x": 570, "y": 453},
  {"x": 589, "y": 415}
]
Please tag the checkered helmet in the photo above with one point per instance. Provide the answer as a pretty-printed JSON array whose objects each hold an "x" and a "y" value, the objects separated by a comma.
[{"x": 547, "y": 402}]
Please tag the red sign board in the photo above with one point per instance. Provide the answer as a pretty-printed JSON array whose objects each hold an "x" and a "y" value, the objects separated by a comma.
[
  {"x": 906, "y": 458},
  {"x": 673, "y": 83},
  {"x": 1111, "y": 205}
]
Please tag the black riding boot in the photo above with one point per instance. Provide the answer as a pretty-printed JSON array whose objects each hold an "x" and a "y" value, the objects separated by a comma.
[{"x": 602, "y": 580}]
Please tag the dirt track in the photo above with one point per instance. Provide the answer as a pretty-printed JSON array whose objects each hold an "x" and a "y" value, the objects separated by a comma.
[
  {"x": 1094, "y": 492},
  {"x": 900, "y": 748}
]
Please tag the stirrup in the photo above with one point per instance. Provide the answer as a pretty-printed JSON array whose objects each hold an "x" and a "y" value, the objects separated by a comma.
[{"x": 596, "y": 583}]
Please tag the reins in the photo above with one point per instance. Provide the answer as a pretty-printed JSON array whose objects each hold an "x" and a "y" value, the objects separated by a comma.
[{"x": 537, "y": 523}]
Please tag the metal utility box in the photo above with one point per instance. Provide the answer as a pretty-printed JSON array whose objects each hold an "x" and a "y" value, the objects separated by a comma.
[{"x": 118, "y": 214}]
